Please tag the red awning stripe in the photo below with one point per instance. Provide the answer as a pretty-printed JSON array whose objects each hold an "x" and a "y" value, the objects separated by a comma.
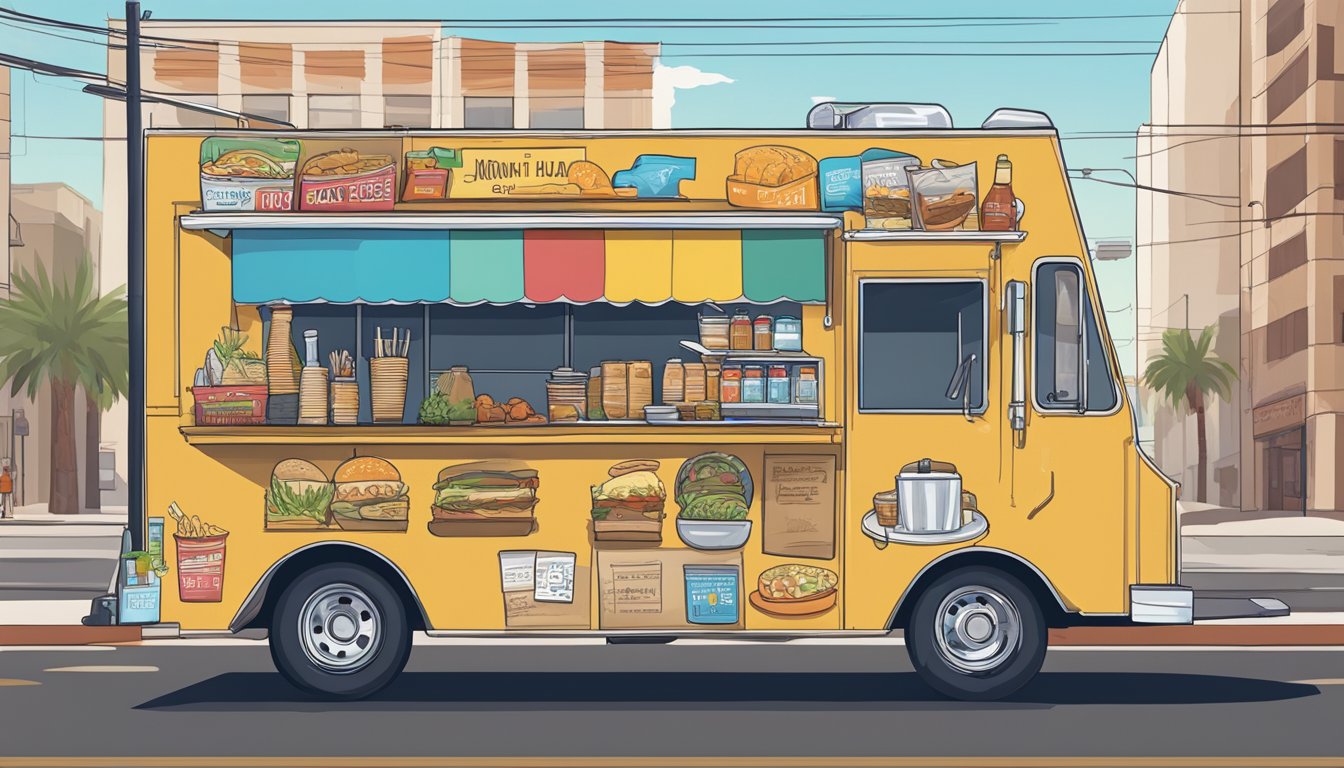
[{"x": 563, "y": 264}]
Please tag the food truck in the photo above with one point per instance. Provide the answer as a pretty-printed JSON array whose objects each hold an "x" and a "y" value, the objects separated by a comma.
[{"x": 639, "y": 385}]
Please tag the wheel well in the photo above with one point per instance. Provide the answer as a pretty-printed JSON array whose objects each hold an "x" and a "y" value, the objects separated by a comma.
[
  {"x": 326, "y": 554},
  {"x": 1054, "y": 613}
]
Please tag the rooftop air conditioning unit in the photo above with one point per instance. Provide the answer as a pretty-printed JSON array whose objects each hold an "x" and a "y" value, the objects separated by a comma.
[
  {"x": 1111, "y": 250},
  {"x": 1007, "y": 117},
  {"x": 836, "y": 116}
]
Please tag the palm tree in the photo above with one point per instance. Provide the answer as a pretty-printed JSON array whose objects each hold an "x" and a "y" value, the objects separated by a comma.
[
  {"x": 66, "y": 337},
  {"x": 1183, "y": 373}
]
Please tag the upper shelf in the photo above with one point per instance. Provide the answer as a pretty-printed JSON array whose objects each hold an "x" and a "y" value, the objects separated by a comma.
[
  {"x": 222, "y": 223},
  {"x": 923, "y": 236},
  {"x": 587, "y": 433}
]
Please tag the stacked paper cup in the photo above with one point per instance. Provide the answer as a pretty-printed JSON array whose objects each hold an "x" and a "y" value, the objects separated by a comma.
[
  {"x": 387, "y": 388},
  {"x": 313, "y": 395}
]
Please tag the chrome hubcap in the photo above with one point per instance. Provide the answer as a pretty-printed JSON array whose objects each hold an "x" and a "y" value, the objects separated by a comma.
[
  {"x": 978, "y": 629},
  {"x": 339, "y": 626}
]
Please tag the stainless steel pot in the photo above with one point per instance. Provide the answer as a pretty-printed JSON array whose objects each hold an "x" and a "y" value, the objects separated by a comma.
[{"x": 929, "y": 494}]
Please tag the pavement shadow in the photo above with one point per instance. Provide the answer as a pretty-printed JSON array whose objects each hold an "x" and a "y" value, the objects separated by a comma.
[{"x": 745, "y": 691}]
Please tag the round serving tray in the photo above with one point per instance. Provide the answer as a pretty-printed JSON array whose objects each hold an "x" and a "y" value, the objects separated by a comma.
[{"x": 976, "y": 527}]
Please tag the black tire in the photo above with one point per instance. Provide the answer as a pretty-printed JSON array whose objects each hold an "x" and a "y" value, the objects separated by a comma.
[
  {"x": 382, "y": 654},
  {"x": 1009, "y": 665}
]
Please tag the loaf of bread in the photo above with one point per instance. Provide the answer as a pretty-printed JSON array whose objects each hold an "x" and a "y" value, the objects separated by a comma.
[{"x": 773, "y": 166}]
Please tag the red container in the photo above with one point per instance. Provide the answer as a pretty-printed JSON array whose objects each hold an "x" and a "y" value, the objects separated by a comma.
[
  {"x": 229, "y": 405},
  {"x": 200, "y": 568},
  {"x": 372, "y": 191}
]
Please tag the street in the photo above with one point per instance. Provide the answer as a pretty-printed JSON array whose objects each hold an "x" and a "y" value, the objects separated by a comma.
[{"x": 695, "y": 699}]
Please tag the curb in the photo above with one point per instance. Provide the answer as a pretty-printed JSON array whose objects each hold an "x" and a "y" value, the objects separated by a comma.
[
  {"x": 65, "y": 634},
  {"x": 1194, "y": 634}
]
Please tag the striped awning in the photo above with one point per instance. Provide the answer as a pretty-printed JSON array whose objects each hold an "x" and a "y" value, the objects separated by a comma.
[{"x": 392, "y": 266}]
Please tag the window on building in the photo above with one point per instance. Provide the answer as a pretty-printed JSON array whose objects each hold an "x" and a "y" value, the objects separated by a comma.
[
  {"x": 334, "y": 111},
  {"x": 407, "y": 111},
  {"x": 916, "y": 339},
  {"x": 1286, "y": 185},
  {"x": 1288, "y": 255},
  {"x": 487, "y": 112},
  {"x": 1339, "y": 169},
  {"x": 1288, "y": 87},
  {"x": 1067, "y": 341},
  {"x": 555, "y": 112},
  {"x": 107, "y": 470},
  {"x": 272, "y": 105},
  {"x": 1286, "y": 335},
  {"x": 1283, "y": 23}
]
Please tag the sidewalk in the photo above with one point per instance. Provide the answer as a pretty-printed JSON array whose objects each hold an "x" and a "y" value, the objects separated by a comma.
[
  {"x": 37, "y": 515},
  {"x": 1220, "y": 540}
]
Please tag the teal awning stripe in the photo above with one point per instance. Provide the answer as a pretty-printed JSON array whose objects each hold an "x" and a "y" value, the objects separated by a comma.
[
  {"x": 487, "y": 265},
  {"x": 783, "y": 264},
  {"x": 340, "y": 266}
]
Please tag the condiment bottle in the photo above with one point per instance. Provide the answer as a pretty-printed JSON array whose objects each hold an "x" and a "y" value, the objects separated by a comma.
[
  {"x": 788, "y": 334},
  {"x": 806, "y": 390},
  {"x": 674, "y": 382},
  {"x": 777, "y": 385},
  {"x": 763, "y": 337},
  {"x": 999, "y": 211},
  {"x": 730, "y": 384},
  {"x": 753, "y": 384},
  {"x": 739, "y": 331}
]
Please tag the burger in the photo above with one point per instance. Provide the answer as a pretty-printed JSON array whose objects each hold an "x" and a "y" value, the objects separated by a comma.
[
  {"x": 370, "y": 496},
  {"x": 298, "y": 497},
  {"x": 629, "y": 505},
  {"x": 484, "y": 500}
]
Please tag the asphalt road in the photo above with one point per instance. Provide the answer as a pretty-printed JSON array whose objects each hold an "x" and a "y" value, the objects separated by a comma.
[{"x": 680, "y": 700}]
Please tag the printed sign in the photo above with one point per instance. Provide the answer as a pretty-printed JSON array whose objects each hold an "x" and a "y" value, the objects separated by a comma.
[
  {"x": 661, "y": 588},
  {"x": 798, "y": 507},
  {"x": 711, "y": 593},
  {"x": 502, "y": 172},
  {"x": 555, "y": 577},
  {"x": 544, "y": 590},
  {"x": 637, "y": 588}
]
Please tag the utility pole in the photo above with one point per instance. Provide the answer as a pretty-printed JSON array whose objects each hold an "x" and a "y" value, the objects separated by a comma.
[{"x": 135, "y": 281}]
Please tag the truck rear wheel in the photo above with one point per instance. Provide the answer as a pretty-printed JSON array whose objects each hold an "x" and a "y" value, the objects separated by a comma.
[
  {"x": 977, "y": 635},
  {"x": 340, "y": 631}
]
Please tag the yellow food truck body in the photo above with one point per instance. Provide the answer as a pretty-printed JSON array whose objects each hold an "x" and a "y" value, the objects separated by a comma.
[{"x": 540, "y": 261}]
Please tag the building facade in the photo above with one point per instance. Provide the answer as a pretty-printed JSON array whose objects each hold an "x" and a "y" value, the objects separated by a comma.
[
  {"x": 60, "y": 228},
  {"x": 1255, "y": 105},
  {"x": 356, "y": 75},
  {"x": 8, "y": 443}
]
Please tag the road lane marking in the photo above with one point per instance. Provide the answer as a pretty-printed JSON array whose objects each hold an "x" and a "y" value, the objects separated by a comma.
[
  {"x": 10, "y": 682},
  {"x": 673, "y": 762},
  {"x": 103, "y": 668}
]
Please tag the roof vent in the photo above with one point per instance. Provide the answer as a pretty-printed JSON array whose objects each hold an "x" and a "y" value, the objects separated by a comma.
[
  {"x": 1017, "y": 118},
  {"x": 837, "y": 116}
]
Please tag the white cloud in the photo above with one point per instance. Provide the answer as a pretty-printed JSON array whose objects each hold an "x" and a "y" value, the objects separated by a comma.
[{"x": 666, "y": 82}]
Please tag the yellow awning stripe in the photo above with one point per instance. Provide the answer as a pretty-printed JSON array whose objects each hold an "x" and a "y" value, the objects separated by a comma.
[
  {"x": 639, "y": 265},
  {"x": 706, "y": 265}
]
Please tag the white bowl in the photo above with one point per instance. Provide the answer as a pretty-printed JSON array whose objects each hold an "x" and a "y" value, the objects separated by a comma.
[{"x": 714, "y": 534}]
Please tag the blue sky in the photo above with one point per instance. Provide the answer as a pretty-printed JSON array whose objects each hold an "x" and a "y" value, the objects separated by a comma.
[{"x": 1083, "y": 94}]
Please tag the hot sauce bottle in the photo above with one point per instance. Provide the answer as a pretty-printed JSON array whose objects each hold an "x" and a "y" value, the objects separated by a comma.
[{"x": 999, "y": 211}]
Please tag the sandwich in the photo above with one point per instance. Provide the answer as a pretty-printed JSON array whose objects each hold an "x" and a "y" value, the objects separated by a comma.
[
  {"x": 628, "y": 506},
  {"x": 714, "y": 486},
  {"x": 369, "y": 495},
  {"x": 299, "y": 496},
  {"x": 484, "y": 494}
]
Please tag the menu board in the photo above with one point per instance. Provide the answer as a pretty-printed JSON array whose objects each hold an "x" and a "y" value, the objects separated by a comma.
[
  {"x": 649, "y": 588},
  {"x": 798, "y": 506},
  {"x": 544, "y": 590}
]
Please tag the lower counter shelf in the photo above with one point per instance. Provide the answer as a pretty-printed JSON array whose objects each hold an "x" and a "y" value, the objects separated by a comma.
[
  {"x": 977, "y": 526},
  {"x": 573, "y": 434}
]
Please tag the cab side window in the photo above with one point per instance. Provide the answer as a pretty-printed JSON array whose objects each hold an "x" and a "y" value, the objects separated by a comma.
[
  {"x": 919, "y": 342},
  {"x": 1071, "y": 371}
]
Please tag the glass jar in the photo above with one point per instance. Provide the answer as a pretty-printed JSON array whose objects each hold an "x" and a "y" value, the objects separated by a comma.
[
  {"x": 805, "y": 392},
  {"x": 763, "y": 335},
  {"x": 753, "y": 384},
  {"x": 777, "y": 385},
  {"x": 714, "y": 331},
  {"x": 730, "y": 384},
  {"x": 788, "y": 334},
  {"x": 739, "y": 330}
]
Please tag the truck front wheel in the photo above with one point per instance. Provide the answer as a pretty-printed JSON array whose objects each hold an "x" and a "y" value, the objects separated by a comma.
[
  {"x": 977, "y": 635},
  {"x": 340, "y": 631}
]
